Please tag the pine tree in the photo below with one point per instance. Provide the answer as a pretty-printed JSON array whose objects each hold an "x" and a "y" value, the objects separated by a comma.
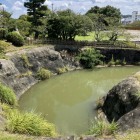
[{"x": 35, "y": 10}]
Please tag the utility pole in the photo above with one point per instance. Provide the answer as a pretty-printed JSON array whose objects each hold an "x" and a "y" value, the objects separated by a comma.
[{"x": 52, "y": 7}]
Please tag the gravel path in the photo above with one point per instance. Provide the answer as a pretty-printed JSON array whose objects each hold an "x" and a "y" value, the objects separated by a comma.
[{"x": 135, "y": 34}]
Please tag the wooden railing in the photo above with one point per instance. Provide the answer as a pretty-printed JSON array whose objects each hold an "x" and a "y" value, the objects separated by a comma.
[{"x": 85, "y": 43}]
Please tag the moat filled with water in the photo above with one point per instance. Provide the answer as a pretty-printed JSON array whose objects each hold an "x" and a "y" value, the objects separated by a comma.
[{"x": 69, "y": 100}]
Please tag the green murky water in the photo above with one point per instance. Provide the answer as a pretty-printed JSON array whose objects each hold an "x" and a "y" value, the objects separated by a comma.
[{"x": 69, "y": 100}]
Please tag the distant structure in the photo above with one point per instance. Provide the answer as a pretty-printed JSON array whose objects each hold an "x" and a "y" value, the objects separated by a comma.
[{"x": 135, "y": 17}]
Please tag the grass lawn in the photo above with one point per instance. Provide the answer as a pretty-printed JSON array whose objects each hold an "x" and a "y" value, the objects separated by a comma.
[{"x": 91, "y": 37}]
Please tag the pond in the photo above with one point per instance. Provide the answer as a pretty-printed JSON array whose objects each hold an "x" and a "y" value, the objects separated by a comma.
[{"x": 69, "y": 100}]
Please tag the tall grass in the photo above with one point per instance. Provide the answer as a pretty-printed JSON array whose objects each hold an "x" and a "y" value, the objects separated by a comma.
[
  {"x": 27, "y": 123},
  {"x": 8, "y": 136},
  {"x": 7, "y": 95},
  {"x": 43, "y": 74},
  {"x": 101, "y": 127}
]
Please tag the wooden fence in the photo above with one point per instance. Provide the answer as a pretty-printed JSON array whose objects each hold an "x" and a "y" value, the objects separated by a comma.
[{"x": 86, "y": 43}]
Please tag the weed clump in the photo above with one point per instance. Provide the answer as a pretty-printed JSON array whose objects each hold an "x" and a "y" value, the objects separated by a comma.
[
  {"x": 101, "y": 127},
  {"x": 43, "y": 74},
  {"x": 27, "y": 123},
  {"x": 7, "y": 95}
]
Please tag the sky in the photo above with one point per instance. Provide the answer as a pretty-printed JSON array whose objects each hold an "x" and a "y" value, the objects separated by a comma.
[{"x": 16, "y": 7}]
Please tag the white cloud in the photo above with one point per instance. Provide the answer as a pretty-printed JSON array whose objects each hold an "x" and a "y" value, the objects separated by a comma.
[
  {"x": 48, "y": 3},
  {"x": 18, "y": 5},
  {"x": 3, "y": 6}
]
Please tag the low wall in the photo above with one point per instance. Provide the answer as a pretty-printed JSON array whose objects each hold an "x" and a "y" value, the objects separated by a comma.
[{"x": 132, "y": 56}]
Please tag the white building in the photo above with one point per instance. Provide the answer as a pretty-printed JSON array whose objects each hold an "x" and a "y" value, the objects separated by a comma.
[{"x": 135, "y": 17}]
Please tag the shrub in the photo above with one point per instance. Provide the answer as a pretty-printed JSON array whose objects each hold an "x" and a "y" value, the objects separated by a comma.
[
  {"x": 62, "y": 70},
  {"x": 7, "y": 95},
  {"x": 15, "y": 39},
  {"x": 26, "y": 60},
  {"x": 27, "y": 74},
  {"x": 27, "y": 123},
  {"x": 90, "y": 57},
  {"x": 43, "y": 74},
  {"x": 111, "y": 62},
  {"x": 117, "y": 62},
  {"x": 123, "y": 62},
  {"x": 3, "y": 33},
  {"x": 101, "y": 127}
]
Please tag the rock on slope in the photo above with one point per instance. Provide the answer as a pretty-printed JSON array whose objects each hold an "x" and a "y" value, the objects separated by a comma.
[{"x": 122, "y": 103}]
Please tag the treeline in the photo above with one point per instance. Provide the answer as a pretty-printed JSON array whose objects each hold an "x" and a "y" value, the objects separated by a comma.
[{"x": 41, "y": 22}]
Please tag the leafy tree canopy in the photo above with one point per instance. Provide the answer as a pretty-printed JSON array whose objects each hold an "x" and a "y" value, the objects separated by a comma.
[
  {"x": 65, "y": 25},
  {"x": 107, "y": 15}
]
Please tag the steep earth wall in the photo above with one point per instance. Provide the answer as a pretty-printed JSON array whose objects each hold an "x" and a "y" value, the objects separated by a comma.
[{"x": 19, "y": 72}]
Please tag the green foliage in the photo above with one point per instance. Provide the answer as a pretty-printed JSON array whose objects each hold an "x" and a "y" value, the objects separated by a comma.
[
  {"x": 27, "y": 74},
  {"x": 4, "y": 46},
  {"x": 65, "y": 25},
  {"x": 111, "y": 62},
  {"x": 90, "y": 57},
  {"x": 118, "y": 62},
  {"x": 3, "y": 33},
  {"x": 7, "y": 136},
  {"x": 7, "y": 95},
  {"x": 123, "y": 62},
  {"x": 15, "y": 39},
  {"x": 25, "y": 60},
  {"x": 62, "y": 70},
  {"x": 27, "y": 123},
  {"x": 104, "y": 14},
  {"x": 38, "y": 13},
  {"x": 23, "y": 25},
  {"x": 43, "y": 74},
  {"x": 5, "y": 20},
  {"x": 100, "y": 128}
]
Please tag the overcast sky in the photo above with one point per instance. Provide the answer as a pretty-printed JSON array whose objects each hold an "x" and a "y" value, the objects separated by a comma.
[{"x": 79, "y": 6}]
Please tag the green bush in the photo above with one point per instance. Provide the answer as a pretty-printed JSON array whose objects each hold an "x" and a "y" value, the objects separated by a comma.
[
  {"x": 101, "y": 127},
  {"x": 7, "y": 95},
  {"x": 111, "y": 62},
  {"x": 15, "y": 39},
  {"x": 3, "y": 33},
  {"x": 123, "y": 62},
  {"x": 118, "y": 62},
  {"x": 43, "y": 74},
  {"x": 26, "y": 60},
  {"x": 62, "y": 70},
  {"x": 90, "y": 57},
  {"x": 27, "y": 123}
]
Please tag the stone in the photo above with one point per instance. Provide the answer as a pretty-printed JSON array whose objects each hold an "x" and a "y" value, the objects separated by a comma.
[
  {"x": 121, "y": 99},
  {"x": 0, "y": 66},
  {"x": 130, "y": 120}
]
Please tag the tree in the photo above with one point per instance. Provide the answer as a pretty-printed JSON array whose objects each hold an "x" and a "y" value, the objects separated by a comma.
[
  {"x": 65, "y": 25},
  {"x": 23, "y": 25},
  {"x": 37, "y": 12},
  {"x": 105, "y": 14},
  {"x": 6, "y": 23}
]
